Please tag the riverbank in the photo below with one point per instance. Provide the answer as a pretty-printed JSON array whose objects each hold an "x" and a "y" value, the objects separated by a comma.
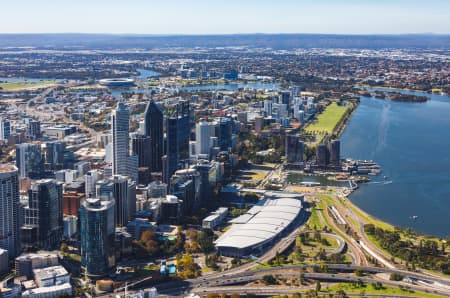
[
  {"x": 332, "y": 121},
  {"x": 434, "y": 91},
  {"x": 398, "y": 136}
]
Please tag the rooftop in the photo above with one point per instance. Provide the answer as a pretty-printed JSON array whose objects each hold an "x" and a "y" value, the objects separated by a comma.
[
  {"x": 4, "y": 168},
  {"x": 261, "y": 223},
  {"x": 50, "y": 272}
]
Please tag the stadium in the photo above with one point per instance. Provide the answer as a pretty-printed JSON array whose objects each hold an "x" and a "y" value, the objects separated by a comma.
[
  {"x": 117, "y": 82},
  {"x": 259, "y": 228}
]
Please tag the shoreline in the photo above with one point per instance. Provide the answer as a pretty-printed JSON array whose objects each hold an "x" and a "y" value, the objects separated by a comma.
[
  {"x": 401, "y": 89},
  {"x": 384, "y": 223},
  {"x": 339, "y": 131}
]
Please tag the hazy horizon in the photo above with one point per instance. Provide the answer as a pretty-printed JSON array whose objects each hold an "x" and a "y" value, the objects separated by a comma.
[
  {"x": 220, "y": 34},
  {"x": 202, "y": 17}
]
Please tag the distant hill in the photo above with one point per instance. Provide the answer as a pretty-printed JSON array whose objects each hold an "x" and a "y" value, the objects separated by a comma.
[{"x": 275, "y": 41}]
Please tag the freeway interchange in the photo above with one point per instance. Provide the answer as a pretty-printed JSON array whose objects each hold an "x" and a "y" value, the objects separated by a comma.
[{"x": 240, "y": 279}]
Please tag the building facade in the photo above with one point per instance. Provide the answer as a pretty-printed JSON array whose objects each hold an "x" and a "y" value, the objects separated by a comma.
[
  {"x": 29, "y": 160},
  {"x": 98, "y": 224},
  {"x": 43, "y": 216},
  {"x": 9, "y": 209},
  {"x": 153, "y": 122}
]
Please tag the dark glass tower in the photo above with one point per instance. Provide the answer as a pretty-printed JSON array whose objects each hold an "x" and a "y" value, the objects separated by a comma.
[
  {"x": 177, "y": 138},
  {"x": 153, "y": 120},
  {"x": 43, "y": 217},
  {"x": 141, "y": 146},
  {"x": 98, "y": 224}
]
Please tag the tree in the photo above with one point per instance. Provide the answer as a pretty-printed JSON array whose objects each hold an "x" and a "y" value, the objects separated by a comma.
[
  {"x": 180, "y": 239},
  {"x": 358, "y": 272},
  {"x": 269, "y": 280},
  {"x": 340, "y": 294},
  {"x": 396, "y": 277},
  {"x": 318, "y": 286},
  {"x": 149, "y": 242},
  {"x": 64, "y": 247},
  {"x": 187, "y": 268},
  {"x": 206, "y": 241}
]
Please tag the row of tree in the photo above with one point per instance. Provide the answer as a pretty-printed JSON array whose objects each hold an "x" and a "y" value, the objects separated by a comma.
[{"x": 427, "y": 254}]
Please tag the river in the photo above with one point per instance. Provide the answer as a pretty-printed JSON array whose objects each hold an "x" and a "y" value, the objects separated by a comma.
[{"x": 411, "y": 142}]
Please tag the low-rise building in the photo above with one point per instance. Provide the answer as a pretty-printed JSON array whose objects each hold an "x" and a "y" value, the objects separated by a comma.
[
  {"x": 51, "y": 276},
  {"x": 49, "y": 292},
  {"x": 215, "y": 218},
  {"x": 261, "y": 226},
  {"x": 27, "y": 262}
]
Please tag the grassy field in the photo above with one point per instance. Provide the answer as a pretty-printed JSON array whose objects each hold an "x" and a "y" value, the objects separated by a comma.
[
  {"x": 314, "y": 220},
  {"x": 88, "y": 87},
  {"x": 26, "y": 85},
  {"x": 328, "y": 120},
  {"x": 369, "y": 289}
]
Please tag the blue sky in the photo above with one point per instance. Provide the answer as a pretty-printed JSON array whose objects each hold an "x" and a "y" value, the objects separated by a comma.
[{"x": 225, "y": 16}]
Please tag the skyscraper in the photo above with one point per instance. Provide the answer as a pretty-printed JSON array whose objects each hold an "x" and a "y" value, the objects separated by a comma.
[
  {"x": 5, "y": 129},
  {"x": 43, "y": 216},
  {"x": 225, "y": 133},
  {"x": 286, "y": 99},
  {"x": 98, "y": 226},
  {"x": 177, "y": 139},
  {"x": 54, "y": 155},
  {"x": 203, "y": 138},
  {"x": 90, "y": 179},
  {"x": 322, "y": 155},
  {"x": 9, "y": 209},
  {"x": 294, "y": 149},
  {"x": 120, "y": 195},
  {"x": 29, "y": 160},
  {"x": 335, "y": 152},
  {"x": 172, "y": 149},
  {"x": 120, "y": 127},
  {"x": 142, "y": 147},
  {"x": 153, "y": 122},
  {"x": 33, "y": 129},
  {"x": 185, "y": 185}
]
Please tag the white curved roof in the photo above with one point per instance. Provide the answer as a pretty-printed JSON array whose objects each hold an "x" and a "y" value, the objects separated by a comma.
[{"x": 261, "y": 223}]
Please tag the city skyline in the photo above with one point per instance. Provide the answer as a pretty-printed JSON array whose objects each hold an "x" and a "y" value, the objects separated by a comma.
[{"x": 210, "y": 17}]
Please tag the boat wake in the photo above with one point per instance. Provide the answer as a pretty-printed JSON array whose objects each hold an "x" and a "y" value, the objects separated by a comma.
[{"x": 380, "y": 182}]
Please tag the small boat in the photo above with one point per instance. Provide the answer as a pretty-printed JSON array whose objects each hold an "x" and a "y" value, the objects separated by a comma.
[{"x": 414, "y": 217}]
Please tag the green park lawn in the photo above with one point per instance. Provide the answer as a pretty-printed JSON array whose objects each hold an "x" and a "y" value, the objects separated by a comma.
[
  {"x": 25, "y": 85},
  {"x": 328, "y": 120}
]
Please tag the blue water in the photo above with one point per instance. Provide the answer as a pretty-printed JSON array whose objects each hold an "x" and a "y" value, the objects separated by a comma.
[
  {"x": 411, "y": 142},
  {"x": 146, "y": 73},
  {"x": 231, "y": 87},
  {"x": 227, "y": 87}
]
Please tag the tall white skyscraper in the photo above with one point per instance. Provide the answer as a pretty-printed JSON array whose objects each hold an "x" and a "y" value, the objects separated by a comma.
[
  {"x": 122, "y": 162},
  {"x": 120, "y": 127},
  {"x": 9, "y": 209},
  {"x": 203, "y": 136}
]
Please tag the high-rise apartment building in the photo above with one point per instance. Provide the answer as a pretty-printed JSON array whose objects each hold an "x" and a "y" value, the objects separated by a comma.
[
  {"x": 9, "y": 209},
  {"x": 97, "y": 218},
  {"x": 43, "y": 216}
]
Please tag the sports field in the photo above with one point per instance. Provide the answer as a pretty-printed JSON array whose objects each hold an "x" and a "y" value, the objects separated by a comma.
[
  {"x": 26, "y": 85},
  {"x": 328, "y": 120}
]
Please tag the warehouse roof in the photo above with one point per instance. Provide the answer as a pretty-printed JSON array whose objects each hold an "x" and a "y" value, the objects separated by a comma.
[{"x": 261, "y": 223}]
